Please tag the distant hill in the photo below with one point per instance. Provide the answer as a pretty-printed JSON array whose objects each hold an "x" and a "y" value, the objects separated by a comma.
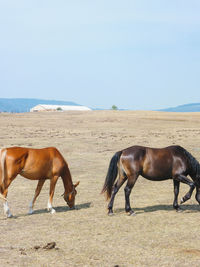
[
  {"x": 194, "y": 107},
  {"x": 19, "y": 105}
]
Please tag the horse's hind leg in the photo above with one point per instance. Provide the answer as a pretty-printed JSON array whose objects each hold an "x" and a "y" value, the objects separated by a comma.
[
  {"x": 37, "y": 192},
  {"x": 6, "y": 184},
  {"x": 116, "y": 187},
  {"x": 5, "y": 205},
  {"x": 176, "y": 192},
  {"x": 127, "y": 190}
]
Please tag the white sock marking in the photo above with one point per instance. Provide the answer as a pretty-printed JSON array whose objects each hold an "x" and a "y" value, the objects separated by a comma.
[
  {"x": 7, "y": 210},
  {"x": 50, "y": 208},
  {"x": 30, "y": 207}
]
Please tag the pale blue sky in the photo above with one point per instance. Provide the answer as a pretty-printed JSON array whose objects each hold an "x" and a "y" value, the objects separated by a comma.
[{"x": 142, "y": 54}]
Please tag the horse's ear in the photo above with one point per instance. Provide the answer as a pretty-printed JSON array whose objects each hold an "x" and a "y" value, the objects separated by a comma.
[{"x": 76, "y": 184}]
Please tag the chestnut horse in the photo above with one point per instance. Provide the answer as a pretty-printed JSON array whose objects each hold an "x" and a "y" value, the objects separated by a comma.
[
  {"x": 35, "y": 164},
  {"x": 156, "y": 164}
]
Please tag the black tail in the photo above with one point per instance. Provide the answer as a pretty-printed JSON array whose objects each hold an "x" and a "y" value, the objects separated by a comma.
[{"x": 111, "y": 174}]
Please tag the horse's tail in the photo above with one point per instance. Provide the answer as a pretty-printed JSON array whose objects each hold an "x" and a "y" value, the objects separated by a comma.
[
  {"x": 111, "y": 174},
  {"x": 2, "y": 170}
]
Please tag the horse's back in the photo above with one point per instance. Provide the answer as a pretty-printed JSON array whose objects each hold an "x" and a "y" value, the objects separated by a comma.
[
  {"x": 142, "y": 151},
  {"x": 37, "y": 152},
  {"x": 34, "y": 163},
  {"x": 132, "y": 158},
  {"x": 154, "y": 163},
  {"x": 136, "y": 151}
]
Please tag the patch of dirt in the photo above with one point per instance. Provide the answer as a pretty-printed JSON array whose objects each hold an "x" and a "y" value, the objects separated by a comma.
[
  {"x": 191, "y": 251},
  {"x": 86, "y": 235}
]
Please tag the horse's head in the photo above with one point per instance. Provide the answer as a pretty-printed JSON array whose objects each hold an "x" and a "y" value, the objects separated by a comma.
[{"x": 70, "y": 197}]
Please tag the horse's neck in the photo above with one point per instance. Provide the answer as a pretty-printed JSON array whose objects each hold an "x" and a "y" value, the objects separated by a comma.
[
  {"x": 67, "y": 180},
  {"x": 198, "y": 170},
  {"x": 195, "y": 170}
]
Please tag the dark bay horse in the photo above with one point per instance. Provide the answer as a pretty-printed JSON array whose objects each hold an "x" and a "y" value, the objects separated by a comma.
[
  {"x": 36, "y": 164},
  {"x": 156, "y": 164}
]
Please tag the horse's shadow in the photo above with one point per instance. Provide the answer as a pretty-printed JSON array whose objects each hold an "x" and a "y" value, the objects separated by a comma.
[
  {"x": 57, "y": 209},
  {"x": 154, "y": 208},
  {"x": 65, "y": 208}
]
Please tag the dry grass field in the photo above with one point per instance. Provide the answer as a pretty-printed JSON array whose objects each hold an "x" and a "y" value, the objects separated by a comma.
[{"x": 156, "y": 236}]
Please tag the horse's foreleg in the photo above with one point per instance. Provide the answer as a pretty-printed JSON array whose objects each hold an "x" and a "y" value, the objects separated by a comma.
[
  {"x": 127, "y": 190},
  {"x": 188, "y": 195},
  {"x": 37, "y": 192},
  {"x": 197, "y": 196},
  {"x": 51, "y": 193},
  {"x": 5, "y": 205},
  {"x": 7, "y": 210},
  {"x": 185, "y": 180},
  {"x": 116, "y": 188},
  {"x": 176, "y": 192}
]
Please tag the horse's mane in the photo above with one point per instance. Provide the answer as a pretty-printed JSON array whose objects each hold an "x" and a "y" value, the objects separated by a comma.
[{"x": 195, "y": 166}]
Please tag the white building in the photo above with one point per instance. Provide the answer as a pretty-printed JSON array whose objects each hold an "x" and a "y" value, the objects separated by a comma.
[{"x": 42, "y": 107}]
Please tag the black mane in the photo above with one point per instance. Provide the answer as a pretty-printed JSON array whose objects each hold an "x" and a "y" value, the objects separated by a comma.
[{"x": 195, "y": 166}]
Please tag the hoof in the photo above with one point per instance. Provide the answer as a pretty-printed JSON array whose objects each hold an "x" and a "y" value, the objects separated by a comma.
[
  {"x": 182, "y": 201},
  {"x": 179, "y": 210},
  {"x": 9, "y": 215},
  {"x": 31, "y": 212},
  {"x": 131, "y": 213},
  {"x": 110, "y": 213},
  {"x": 52, "y": 211}
]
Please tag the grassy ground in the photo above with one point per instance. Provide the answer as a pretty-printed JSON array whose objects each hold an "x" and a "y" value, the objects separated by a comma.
[{"x": 156, "y": 236}]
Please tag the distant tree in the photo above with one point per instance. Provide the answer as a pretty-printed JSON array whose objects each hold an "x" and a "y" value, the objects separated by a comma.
[
  {"x": 59, "y": 109},
  {"x": 114, "y": 107}
]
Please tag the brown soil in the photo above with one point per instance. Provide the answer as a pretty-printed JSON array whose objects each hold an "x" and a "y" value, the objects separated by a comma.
[{"x": 156, "y": 236}]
